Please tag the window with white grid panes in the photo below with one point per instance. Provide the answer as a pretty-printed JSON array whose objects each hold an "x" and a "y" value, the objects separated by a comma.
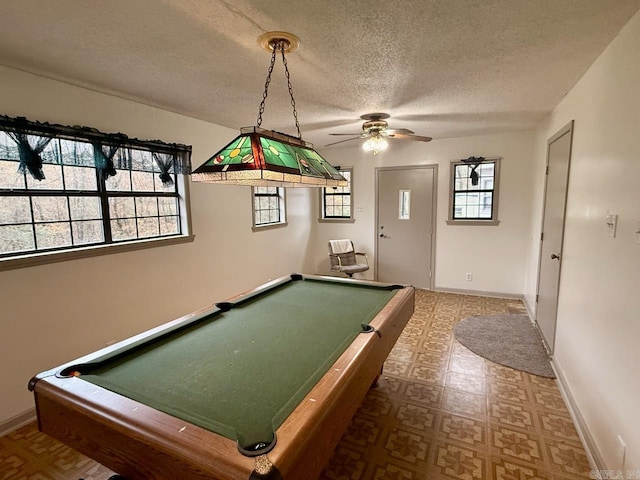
[
  {"x": 268, "y": 206},
  {"x": 75, "y": 207},
  {"x": 336, "y": 203},
  {"x": 474, "y": 200}
]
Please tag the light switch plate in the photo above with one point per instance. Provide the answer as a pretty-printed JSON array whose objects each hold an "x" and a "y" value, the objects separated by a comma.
[{"x": 612, "y": 223}]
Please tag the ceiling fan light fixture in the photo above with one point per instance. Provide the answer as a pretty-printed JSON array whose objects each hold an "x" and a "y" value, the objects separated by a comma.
[
  {"x": 375, "y": 144},
  {"x": 259, "y": 157},
  {"x": 375, "y": 129}
]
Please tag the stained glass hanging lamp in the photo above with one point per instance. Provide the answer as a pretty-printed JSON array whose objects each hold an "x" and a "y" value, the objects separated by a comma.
[{"x": 261, "y": 157}]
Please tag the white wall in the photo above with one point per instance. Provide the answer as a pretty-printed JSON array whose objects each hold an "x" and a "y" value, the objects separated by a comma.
[
  {"x": 53, "y": 313},
  {"x": 598, "y": 327},
  {"x": 494, "y": 254}
]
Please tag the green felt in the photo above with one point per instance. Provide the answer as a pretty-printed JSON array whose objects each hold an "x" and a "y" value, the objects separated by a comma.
[{"x": 242, "y": 372}]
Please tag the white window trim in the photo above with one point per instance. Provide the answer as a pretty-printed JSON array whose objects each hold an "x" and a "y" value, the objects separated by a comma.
[
  {"x": 496, "y": 191},
  {"x": 283, "y": 212},
  {"x": 351, "y": 219}
]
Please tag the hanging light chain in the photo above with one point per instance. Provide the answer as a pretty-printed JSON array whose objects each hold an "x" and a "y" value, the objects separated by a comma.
[
  {"x": 266, "y": 86},
  {"x": 278, "y": 45},
  {"x": 293, "y": 100}
]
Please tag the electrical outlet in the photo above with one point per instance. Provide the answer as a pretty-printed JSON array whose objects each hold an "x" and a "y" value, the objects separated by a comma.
[{"x": 469, "y": 277}]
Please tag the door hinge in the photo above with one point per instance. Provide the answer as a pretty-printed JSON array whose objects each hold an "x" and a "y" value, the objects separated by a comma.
[
  {"x": 537, "y": 297},
  {"x": 430, "y": 273},
  {"x": 546, "y": 172},
  {"x": 541, "y": 236}
]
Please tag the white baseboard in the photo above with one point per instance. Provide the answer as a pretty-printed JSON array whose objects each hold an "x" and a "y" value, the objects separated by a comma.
[
  {"x": 593, "y": 454},
  {"x": 18, "y": 421},
  {"x": 479, "y": 293}
]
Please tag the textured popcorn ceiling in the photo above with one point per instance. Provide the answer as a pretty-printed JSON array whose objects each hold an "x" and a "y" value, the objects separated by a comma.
[{"x": 442, "y": 68}]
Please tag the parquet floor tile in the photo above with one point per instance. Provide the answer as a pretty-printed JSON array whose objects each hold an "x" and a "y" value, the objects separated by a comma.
[
  {"x": 493, "y": 422},
  {"x": 439, "y": 412}
]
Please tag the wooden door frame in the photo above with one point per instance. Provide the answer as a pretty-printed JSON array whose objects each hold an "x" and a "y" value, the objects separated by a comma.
[
  {"x": 568, "y": 128},
  {"x": 434, "y": 210}
]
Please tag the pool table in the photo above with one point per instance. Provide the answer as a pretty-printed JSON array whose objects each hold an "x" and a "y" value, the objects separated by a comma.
[{"x": 261, "y": 386}]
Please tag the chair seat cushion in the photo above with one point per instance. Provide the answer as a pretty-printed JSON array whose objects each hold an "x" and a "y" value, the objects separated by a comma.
[{"x": 358, "y": 267}]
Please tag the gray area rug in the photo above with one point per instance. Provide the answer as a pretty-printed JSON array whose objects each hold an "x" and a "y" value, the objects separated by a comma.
[{"x": 509, "y": 340}]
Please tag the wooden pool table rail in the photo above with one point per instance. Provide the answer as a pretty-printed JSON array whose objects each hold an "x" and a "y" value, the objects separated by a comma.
[
  {"x": 320, "y": 420},
  {"x": 140, "y": 442}
]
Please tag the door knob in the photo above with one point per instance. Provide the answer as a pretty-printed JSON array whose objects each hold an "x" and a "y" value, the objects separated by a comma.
[
  {"x": 382, "y": 235},
  {"x": 555, "y": 257}
]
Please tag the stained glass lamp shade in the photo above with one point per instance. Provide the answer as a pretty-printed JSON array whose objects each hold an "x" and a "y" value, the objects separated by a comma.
[{"x": 260, "y": 157}]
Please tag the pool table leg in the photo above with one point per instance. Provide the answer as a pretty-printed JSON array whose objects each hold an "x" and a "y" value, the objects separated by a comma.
[{"x": 375, "y": 380}]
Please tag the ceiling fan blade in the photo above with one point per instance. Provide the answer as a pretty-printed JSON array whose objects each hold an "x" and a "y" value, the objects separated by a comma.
[
  {"x": 417, "y": 138},
  {"x": 394, "y": 131},
  {"x": 342, "y": 141},
  {"x": 359, "y": 134}
]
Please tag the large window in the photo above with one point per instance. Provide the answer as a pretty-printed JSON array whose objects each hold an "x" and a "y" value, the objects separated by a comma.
[
  {"x": 336, "y": 203},
  {"x": 268, "y": 207},
  {"x": 474, "y": 192},
  {"x": 59, "y": 193}
]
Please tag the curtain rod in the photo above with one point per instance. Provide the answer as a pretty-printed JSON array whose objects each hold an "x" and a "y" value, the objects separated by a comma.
[{"x": 78, "y": 132}]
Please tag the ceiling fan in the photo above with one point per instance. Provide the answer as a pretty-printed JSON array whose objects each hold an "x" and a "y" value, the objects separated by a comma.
[{"x": 375, "y": 129}]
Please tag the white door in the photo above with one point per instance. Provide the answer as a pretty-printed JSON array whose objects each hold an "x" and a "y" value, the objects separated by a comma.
[
  {"x": 405, "y": 224},
  {"x": 558, "y": 159}
]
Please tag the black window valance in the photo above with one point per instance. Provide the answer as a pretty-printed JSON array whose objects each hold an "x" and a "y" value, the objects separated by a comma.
[
  {"x": 474, "y": 163},
  {"x": 30, "y": 143}
]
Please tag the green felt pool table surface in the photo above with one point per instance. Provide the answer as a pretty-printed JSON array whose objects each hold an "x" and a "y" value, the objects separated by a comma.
[
  {"x": 266, "y": 381},
  {"x": 241, "y": 372}
]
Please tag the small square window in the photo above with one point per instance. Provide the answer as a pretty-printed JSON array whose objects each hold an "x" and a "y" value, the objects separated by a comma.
[
  {"x": 336, "y": 202},
  {"x": 268, "y": 207},
  {"x": 474, "y": 192}
]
